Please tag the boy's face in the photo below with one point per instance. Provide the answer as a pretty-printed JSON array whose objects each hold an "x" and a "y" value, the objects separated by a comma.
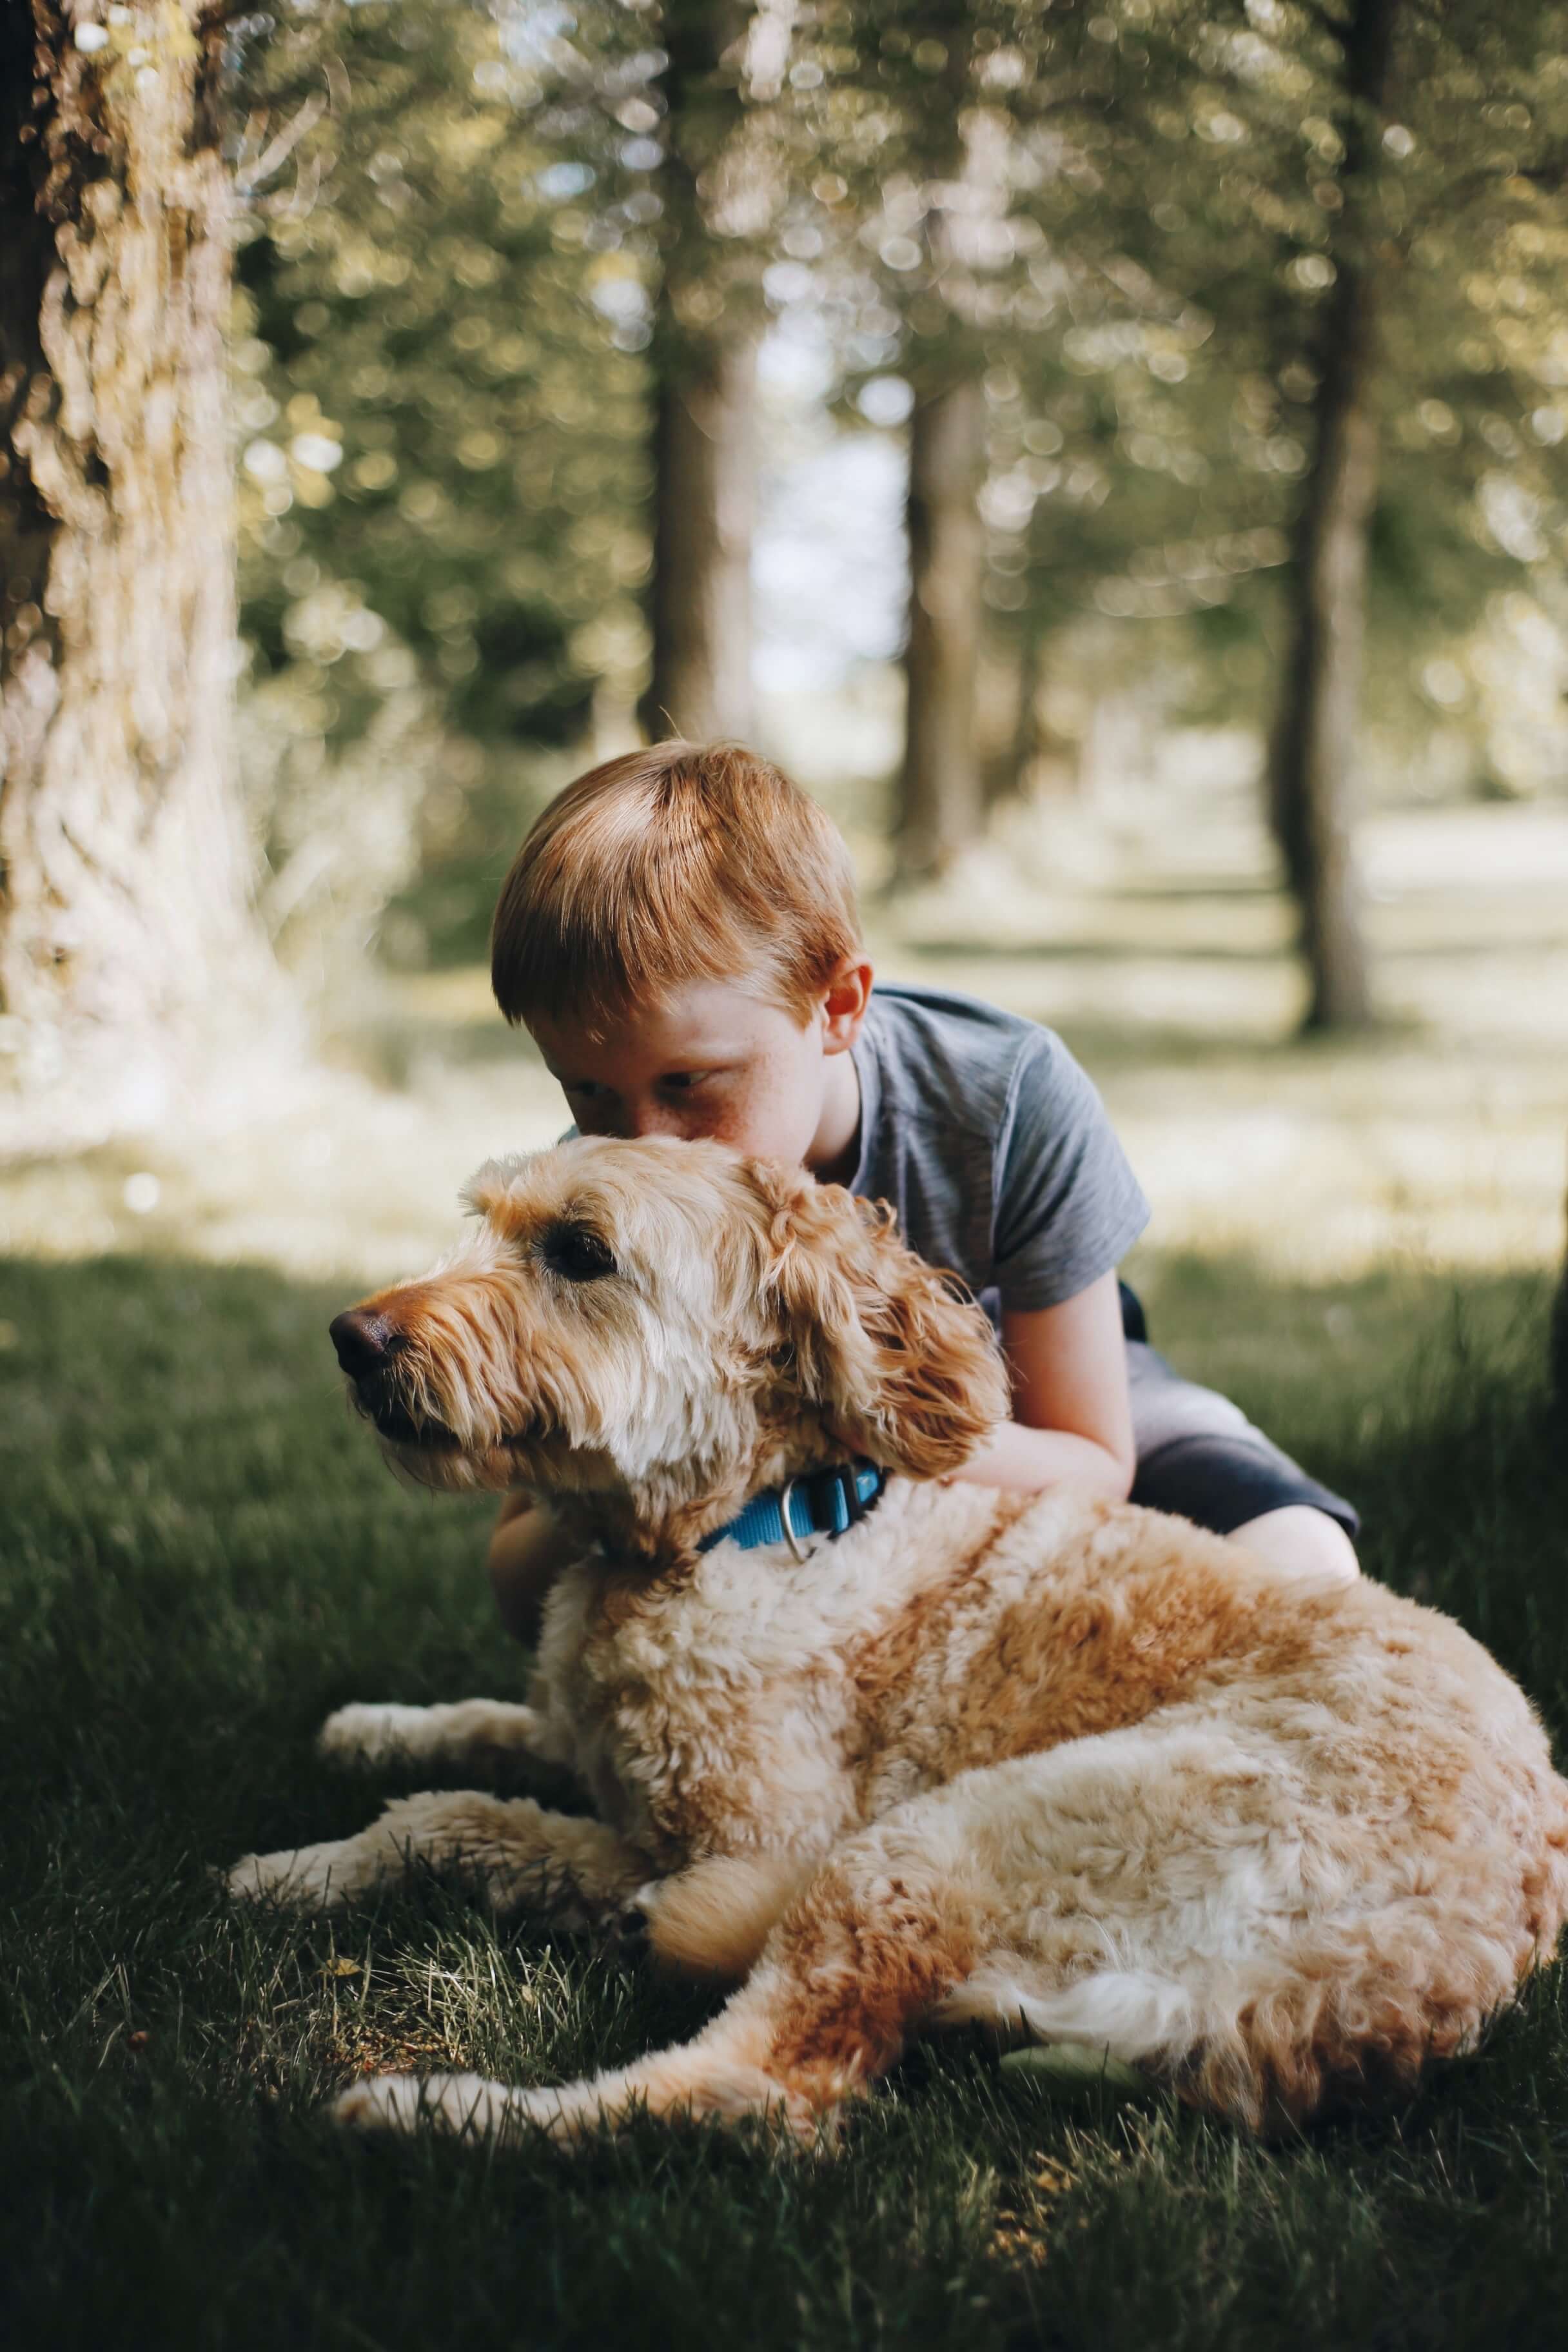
[{"x": 711, "y": 1059}]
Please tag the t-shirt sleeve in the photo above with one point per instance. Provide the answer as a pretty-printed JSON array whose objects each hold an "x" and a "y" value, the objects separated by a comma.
[{"x": 1068, "y": 1206}]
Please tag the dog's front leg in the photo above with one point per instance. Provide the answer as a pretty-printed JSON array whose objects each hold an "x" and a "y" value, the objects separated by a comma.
[
  {"x": 862, "y": 1957},
  {"x": 578, "y": 1871},
  {"x": 474, "y": 1732}
]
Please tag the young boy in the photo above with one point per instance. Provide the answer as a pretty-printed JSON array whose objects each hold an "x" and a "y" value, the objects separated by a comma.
[{"x": 680, "y": 935}]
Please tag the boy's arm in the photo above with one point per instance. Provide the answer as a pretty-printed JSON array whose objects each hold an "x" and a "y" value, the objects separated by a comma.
[
  {"x": 1072, "y": 1413},
  {"x": 527, "y": 1552}
]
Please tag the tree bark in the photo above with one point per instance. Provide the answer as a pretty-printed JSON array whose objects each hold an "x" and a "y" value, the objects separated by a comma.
[
  {"x": 1312, "y": 758},
  {"x": 700, "y": 616},
  {"x": 124, "y": 867},
  {"x": 1009, "y": 747},
  {"x": 939, "y": 798},
  {"x": 1559, "y": 1346},
  {"x": 704, "y": 360}
]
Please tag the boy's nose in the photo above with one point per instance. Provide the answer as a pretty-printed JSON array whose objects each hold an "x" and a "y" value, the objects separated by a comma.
[{"x": 650, "y": 1118}]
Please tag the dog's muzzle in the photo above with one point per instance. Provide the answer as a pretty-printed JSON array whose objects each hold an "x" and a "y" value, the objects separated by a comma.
[
  {"x": 368, "y": 1347},
  {"x": 366, "y": 1344}
]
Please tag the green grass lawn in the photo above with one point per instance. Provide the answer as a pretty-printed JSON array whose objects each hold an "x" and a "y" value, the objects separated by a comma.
[{"x": 202, "y": 1555}]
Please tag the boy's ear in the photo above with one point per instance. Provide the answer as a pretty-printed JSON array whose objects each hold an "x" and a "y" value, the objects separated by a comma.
[
  {"x": 844, "y": 1003},
  {"x": 907, "y": 1373}
]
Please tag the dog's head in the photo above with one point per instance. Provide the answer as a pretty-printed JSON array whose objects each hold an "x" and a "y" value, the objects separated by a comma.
[{"x": 669, "y": 1326}]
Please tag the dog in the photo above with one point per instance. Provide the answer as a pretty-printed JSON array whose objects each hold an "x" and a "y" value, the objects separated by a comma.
[{"x": 1070, "y": 1768}]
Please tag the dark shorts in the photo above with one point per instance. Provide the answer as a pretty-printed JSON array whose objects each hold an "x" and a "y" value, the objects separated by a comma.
[{"x": 1198, "y": 1454}]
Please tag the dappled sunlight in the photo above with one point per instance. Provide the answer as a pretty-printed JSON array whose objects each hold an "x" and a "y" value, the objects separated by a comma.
[{"x": 1436, "y": 1140}]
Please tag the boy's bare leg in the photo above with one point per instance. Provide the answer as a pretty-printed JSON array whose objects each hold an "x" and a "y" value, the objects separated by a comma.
[
  {"x": 1299, "y": 1540},
  {"x": 526, "y": 1554}
]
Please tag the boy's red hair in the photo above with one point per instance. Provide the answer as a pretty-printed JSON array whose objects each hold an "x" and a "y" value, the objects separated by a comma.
[{"x": 682, "y": 862}]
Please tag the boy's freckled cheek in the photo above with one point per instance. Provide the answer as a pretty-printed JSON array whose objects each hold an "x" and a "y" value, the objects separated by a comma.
[
  {"x": 751, "y": 1119},
  {"x": 727, "y": 1127}
]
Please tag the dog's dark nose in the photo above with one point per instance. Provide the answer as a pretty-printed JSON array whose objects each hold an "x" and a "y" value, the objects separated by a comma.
[{"x": 365, "y": 1343}]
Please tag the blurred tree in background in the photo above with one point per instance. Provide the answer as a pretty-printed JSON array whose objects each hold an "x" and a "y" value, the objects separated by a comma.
[
  {"x": 1100, "y": 264},
  {"x": 1206, "y": 285},
  {"x": 442, "y": 413},
  {"x": 715, "y": 181},
  {"x": 1327, "y": 184}
]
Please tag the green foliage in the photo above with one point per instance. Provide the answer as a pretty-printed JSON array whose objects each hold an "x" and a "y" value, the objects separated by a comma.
[
  {"x": 460, "y": 283},
  {"x": 1135, "y": 239},
  {"x": 1214, "y": 166},
  {"x": 203, "y": 1555},
  {"x": 444, "y": 399}
]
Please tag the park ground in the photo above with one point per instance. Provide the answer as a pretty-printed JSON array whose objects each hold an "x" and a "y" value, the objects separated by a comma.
[{"x": 202, "y": 1556}]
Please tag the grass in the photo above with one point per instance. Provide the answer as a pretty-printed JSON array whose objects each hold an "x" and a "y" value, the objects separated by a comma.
[{"x": 202, "y": 1556}]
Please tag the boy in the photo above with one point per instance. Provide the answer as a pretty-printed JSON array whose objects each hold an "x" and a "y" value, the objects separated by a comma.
[{"x": 680, "y": 935}]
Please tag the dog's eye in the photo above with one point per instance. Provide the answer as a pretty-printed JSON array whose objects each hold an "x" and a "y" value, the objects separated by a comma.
[{"x": 578, "y": 1253}]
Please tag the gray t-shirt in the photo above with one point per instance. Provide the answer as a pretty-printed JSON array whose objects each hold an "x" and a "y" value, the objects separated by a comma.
[{"x": 992, "y": 1146}]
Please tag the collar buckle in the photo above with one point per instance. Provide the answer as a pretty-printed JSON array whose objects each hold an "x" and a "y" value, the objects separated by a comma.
[
  {"x": 840, "y": 1482},
  {"x": 837, "y": 1497},
  {"x": 797, "y": 1549}
]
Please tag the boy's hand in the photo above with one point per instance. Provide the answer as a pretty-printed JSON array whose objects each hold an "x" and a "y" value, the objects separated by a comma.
[
  {"x": 1072, "y": 1410},
  {"x": 527, "y": 1553}
]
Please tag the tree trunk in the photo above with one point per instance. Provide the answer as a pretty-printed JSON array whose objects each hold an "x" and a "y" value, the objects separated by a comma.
[
  {"x": 124, "y": 912},
  {"x": 939, "y": 801},
  {"x": 704, "y": 502},
  {"x": 1560, "y": 1347},
  {"x": 1312, "y": 758},
  {"x": 704, "y": 360},
  {"x": 1009, "y": 737}
]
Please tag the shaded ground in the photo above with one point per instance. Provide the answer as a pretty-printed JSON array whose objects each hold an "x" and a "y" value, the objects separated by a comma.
[{"x": 200, "y": 1555}]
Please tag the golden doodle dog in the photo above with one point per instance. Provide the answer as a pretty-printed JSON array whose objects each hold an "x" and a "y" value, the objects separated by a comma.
[{"x": 1069, "y": 1767}]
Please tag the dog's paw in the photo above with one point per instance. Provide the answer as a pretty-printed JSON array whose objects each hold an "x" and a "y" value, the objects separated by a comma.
[
  {"x": 306, "y": 1878},
  {"x": 461, "y": 2105},
  {"x": 629, "y": 1928},
  {"x": 379, "y": 2102},
  {"x": 363, "y": 1733}
]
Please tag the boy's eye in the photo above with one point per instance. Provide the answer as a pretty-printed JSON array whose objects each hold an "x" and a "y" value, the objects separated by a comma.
[
  {"x": 577, "y": 1253},
  {"x": 680, "y": 1081}
]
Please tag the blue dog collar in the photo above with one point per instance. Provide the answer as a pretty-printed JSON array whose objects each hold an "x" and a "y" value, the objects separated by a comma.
[{"x": 820, "y": 1503}]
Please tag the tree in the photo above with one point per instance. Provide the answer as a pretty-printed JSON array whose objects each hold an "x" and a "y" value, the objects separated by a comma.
[
  {"x": 443, "y": 409},
  {"x": 1312, "y": 756},
  {"x": 922, "y": 160},
  {"x": 938, "y": 795},
  {"x": 1560, "y": 1345},
  {"x": 125, "y": 866},
  {"x": 1288, "y": 328},
  {"x": 704, "y": 364}
]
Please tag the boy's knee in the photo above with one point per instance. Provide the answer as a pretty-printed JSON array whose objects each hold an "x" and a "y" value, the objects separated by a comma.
[{"x": 1299, "y": 1540}]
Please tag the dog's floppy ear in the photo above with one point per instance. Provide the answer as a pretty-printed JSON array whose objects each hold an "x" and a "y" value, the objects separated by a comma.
[{"x": 907, "y": 1373}]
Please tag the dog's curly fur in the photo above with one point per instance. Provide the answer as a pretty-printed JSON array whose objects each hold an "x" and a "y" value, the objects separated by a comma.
[{"x": 1075, "y": 1770}]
